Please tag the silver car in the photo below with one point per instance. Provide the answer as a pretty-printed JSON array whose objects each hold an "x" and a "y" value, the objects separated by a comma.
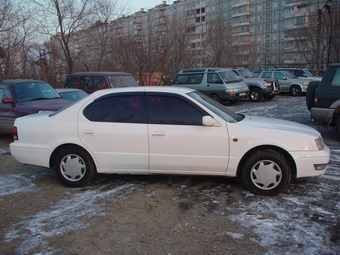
[{"x": 290, "y": 83}]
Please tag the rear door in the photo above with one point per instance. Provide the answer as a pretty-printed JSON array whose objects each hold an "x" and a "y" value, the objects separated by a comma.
[{"x": 114, "y": 128}]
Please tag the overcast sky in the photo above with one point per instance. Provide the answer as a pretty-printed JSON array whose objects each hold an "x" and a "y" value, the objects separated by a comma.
[{"x": 136, "y": 5}]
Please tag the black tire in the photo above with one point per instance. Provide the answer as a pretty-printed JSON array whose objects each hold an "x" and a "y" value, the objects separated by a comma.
[
  {"x": 269, "y": 97},
  {"x": 74, "y": 167},
  {"x": 266, "y": 173},
  {"x": 295, "y": 90},
  {"x": 337, "y": 126},
  {"x": 255, "y": 95},
  {"x": 310, "y": 94},
  {"x": 215, "y": 97}
]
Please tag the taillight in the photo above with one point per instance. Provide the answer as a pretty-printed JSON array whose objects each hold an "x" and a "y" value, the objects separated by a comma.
[
  {"x": 315, "y": 101},
  {"x": 15, "y": 133}
]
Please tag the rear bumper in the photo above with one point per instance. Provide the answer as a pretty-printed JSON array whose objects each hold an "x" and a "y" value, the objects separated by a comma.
[{"x": 322, "y": 114}]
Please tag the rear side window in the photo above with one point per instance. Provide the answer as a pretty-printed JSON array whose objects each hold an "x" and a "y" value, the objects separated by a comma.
[
  {"x": 125, "y": 109},
  {"x": 189, "y": 79},
  {"x": 71, "y": 82},
  {"x": 336, "y": 78},
  {"x": 266, "y": 75}
]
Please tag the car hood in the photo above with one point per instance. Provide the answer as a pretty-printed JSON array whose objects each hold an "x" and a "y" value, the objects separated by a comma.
[
  {"x": 278, "y": 125},
  {"x": 44, "y": 105}
]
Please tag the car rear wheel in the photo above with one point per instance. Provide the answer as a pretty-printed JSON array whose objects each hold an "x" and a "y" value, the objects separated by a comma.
[
  {"x": 295, "y": 91},
  {"x": 266, "y": 172},
  {"x": 215, "y": 97},
  {"x": 255, "y": 95},
  {"x": 310, "y": 94},
  {"x": 337, "y": 126},
  {"x": 74, "y": 167}
]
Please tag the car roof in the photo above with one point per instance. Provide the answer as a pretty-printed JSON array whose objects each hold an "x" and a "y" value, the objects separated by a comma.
[
  {"x": 20, "y": 81},
  {"x": 205, "y": 69},
  {"x": 68, "y": 89},
  {"x": 168, "y": 89},
  {"x": 98, "y": 73}
]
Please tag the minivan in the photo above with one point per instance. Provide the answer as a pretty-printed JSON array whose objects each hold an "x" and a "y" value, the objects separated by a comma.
[
  {"x": 92, "y": 81},
  {"x": 221, "y": 84}
]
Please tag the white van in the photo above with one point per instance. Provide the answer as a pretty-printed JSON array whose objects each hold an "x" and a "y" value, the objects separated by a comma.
[{"x": 221, "y": 84}]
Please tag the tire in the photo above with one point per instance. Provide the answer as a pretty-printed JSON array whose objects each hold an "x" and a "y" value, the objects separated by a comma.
[
  {"x": 310, "y": 94},
  {"x": 266, "y": 173},
  {"x": 295, "y": 91},
  {"x": 215, "y": 97},
  {"x": 255, "y": 95},
  {"x": 337, "y": 126},
  {"x": 269, "y": 97},
  {"x": 74, "y": 167}
]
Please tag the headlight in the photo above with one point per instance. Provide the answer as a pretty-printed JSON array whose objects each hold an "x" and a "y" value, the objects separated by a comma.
[
  {"x": 319, "y": 143},
  {"x": 267, "y": 85}
]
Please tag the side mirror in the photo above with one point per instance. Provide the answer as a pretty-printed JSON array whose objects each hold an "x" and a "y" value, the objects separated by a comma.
[
  {"x": 7, "y": 100},
  {"x": 210, "y": 121}
]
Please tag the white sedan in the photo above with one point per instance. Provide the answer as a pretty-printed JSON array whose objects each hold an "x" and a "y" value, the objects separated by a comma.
[{"x": 167, "y": 130}]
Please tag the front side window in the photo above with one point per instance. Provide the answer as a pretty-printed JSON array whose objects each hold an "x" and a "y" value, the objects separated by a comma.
[
  {"x": 278, "y": 76},
  {"x": 122, "y": 81},
  {"x": 214, "y": 78},
  {"x": 125, "y": 109},
  {"x": 173, "y": 111}
]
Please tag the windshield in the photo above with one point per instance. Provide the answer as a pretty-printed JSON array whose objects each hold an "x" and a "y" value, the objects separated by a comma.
[
  {"x": 310, "y": 74},
  {"x": 216, "y": 107},
  {"x": 245, "y": 73},
  {"x": 30, "y": 91},
  {"x": 229, "y": 77}
]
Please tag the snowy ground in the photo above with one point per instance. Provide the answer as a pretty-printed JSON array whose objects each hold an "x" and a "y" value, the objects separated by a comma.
[{"x": 303, "y": 220}]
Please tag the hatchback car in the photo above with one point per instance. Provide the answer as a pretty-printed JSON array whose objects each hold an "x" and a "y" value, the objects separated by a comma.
[
  {"x": 23, "y": 97},
  {"x": 167, "y": 130},
  {"x": 72, "y": 94}
]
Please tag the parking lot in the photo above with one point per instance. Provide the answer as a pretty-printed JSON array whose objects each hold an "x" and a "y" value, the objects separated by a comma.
[{"x": 128, "y": 214}]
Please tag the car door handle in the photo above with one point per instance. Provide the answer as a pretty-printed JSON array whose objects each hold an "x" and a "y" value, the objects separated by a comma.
[
  {"x": 88, "y": 132},
  {"x": 158, "y": 134}
]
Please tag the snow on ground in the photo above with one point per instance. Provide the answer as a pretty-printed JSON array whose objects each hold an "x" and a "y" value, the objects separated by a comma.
[{"x": 304, "y": 218}]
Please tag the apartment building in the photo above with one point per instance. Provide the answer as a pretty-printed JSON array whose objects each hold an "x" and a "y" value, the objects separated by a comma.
[{"x": 266, "y": 31}]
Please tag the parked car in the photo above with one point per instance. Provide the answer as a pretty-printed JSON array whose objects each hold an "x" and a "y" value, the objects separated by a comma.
[
  {"x": 23, "y": 97},
  {"x": 221, "y": 84},
  {"x": 259, "y": 88},
  {"x": 323, "y": 98},
  {"x": 72, "y": 94},
  {"x": 92, "y": 81},
  {"x": 301, "y": 73},
  {"x": 288, "y": 82},
  {"x": 167, "y": 130}
]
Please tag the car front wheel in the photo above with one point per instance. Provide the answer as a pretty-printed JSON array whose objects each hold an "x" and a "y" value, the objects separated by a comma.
[
  {"x": 255, "y": 95},
  {"x": 74, "y": 167},
  {"x": 266, "y": 172}
]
